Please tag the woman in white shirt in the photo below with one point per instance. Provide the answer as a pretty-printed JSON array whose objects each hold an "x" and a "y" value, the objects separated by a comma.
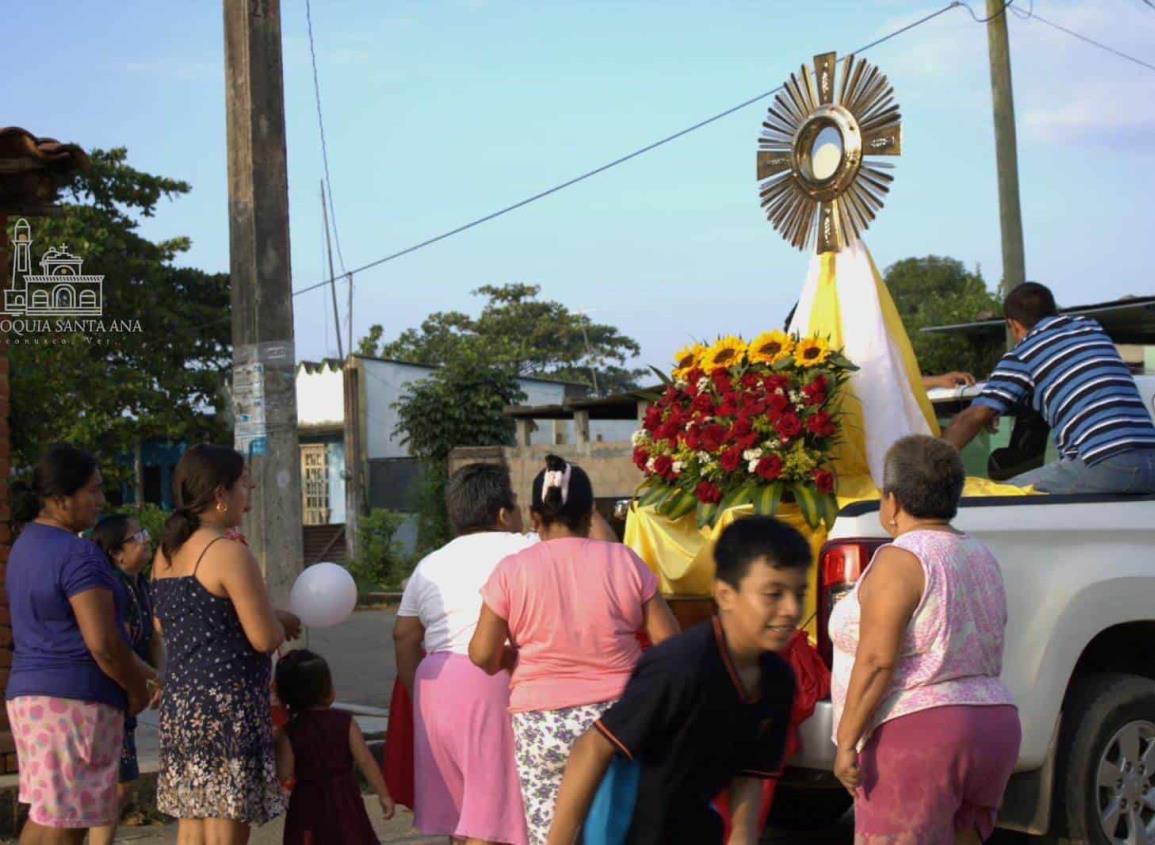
[{"x": 466, "y": 783}]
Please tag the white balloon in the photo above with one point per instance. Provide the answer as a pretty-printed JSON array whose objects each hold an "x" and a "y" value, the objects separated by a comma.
[{"x": 323, "y": 595}]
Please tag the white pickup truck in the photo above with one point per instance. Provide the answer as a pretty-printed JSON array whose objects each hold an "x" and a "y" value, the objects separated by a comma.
[{"x": 1080, "y": 654}]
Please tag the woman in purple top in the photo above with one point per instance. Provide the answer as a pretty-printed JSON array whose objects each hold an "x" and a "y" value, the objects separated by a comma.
[{"x": 74, "y": 675}]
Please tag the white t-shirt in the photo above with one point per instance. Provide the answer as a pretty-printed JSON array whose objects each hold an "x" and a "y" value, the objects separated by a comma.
[{"x": 444, "y": 591}]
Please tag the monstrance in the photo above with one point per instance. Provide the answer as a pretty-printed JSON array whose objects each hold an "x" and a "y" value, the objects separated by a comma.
[{"x": 817, "y": 182}]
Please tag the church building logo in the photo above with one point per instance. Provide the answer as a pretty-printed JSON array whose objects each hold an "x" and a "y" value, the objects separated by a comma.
[{"x": 60, "y": 289}]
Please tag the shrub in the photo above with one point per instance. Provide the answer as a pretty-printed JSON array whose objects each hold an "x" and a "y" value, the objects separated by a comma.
[{"x": 380, "y": 559}]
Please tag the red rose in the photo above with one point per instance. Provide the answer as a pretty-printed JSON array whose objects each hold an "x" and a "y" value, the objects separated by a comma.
[
  {"x": 641, "y": 457},
  {"x": 731, "y": 459},
  {"x": 788, "y": 426},
  {"x": 703, "y": 403},
  {"x": 742, "y": 427},
  {"x": 750, "y": 381},
  {"x": 747, "y": 442},
  {"x": 663, "y": 465},
  {"x": 721, "y": 379},
  {"x": 824, "y": 480},
  {"x": 815, "y": 392},
  {"x": 694, "y": 376},
  {"x": 770, "y": 467},
  {"x": 775, "y": 383},
  {"x": 653, "y": 418},
  {"x": 777, "y": 402},
  {"x": 821, "y": 425},
  {"x": 729, "y": 406},
  {"x": 692, "y": 439},
  {"x": 712, "y": 438},
  {"x": 708, "y": 492},
  {"x": 671, "y": 394}
]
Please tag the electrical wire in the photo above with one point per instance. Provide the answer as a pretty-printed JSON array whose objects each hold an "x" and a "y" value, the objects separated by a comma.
[
  {"x": 324, "y": 145},
  {"x": 1030, "y": 14},
  {"x": 620, "y": 160}
]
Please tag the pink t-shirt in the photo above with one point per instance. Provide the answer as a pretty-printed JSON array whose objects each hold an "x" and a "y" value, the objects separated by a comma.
[{"x": 573, "y": 607}]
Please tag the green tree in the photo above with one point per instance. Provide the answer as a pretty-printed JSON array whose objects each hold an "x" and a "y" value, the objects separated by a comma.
[
  {"x": 516, "y": 329},
  {"x": 938, "y": 291},
  {"x": 460, "y": 404},
  {"x": 108, "y": 391}
]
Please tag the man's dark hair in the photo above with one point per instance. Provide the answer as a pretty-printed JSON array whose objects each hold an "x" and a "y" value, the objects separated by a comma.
[
  {"x": 1028, "y": 303},
  {"x": 475, "y": 495},
  {"x": 926, "y": 475},
  {"x": 746, "y": 540}
]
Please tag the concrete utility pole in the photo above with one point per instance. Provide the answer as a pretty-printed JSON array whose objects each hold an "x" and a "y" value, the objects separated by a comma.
[
  {"x": 1010, "y": 214},
  {"x": 264, "y": 372}
]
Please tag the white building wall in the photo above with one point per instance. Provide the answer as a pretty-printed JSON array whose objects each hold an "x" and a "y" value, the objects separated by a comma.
[{"x": 320, "y": 396}]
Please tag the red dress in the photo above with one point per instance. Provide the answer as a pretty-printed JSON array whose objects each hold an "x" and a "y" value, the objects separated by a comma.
[{"x": 326, "y": 807}]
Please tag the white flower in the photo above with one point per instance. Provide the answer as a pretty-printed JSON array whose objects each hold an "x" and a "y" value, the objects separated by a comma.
[
  {"x": 703, "y": 383},
  {"x": 638, "y": 437},
  {"x": 751, "y": 454},
  {"x": 650, "y": 465},
  {"x": 704, "y": 457},
  {"x": 752, "y": 466},
  {"x": 678, "y": 465},
  {"x": 795, "y": 396}
]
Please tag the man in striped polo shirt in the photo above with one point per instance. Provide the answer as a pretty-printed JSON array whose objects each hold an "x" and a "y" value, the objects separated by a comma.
[{"x": 1068, "y": 370}]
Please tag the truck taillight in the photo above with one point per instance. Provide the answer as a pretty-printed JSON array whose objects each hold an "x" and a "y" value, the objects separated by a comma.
[{"x": 839, "y": 565}]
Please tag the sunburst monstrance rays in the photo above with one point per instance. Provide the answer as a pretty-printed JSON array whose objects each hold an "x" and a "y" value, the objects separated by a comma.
[{"x": 815, "y": 183}]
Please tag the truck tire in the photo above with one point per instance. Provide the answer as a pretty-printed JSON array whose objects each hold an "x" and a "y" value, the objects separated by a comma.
[
  {"x": 797, "y": 808},
  {"x": 1107, "y": 767}
]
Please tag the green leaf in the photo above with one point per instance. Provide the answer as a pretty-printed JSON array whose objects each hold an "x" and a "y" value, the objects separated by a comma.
[
  {"x": 662, "y": 375},
  {"x": 681, "y": 505},
  {"x": 767, "y": 498},
  {"x": 738, "y": 496},
  {"x": 828, "y": 504},
  {"x": 706, "y": 513},
  {"x": 807, "y": 497}
]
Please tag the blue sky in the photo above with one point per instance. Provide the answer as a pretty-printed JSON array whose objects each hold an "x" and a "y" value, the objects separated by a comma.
[{"x": 439, "y": 112}]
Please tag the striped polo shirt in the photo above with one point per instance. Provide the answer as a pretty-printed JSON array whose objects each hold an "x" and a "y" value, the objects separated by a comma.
[{"x": 1069, "y": 370}]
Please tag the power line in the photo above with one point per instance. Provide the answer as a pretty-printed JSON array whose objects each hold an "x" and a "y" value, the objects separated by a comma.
[
  {"x": 989, "y": 18},
  {"x": 621, "y": 160},
  {"x": 321, "y": 127},
  {"x": 1031, "y": 14}
]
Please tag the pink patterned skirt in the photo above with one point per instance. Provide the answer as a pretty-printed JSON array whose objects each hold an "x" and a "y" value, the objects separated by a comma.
[
  {"x": 932, "y": 773},
  {"x": 69, "y": 753}
]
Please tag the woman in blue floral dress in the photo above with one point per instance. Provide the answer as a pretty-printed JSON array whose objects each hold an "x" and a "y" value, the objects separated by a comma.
[{"x": 218, "y": 773}]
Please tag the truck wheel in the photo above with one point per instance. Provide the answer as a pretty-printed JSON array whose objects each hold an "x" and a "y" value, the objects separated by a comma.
[
  {"x": 807, "y": 809},
  {"x": 1108, "y": 773}
]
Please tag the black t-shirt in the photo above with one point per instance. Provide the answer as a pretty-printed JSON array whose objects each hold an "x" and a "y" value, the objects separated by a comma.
[{"x": 687, "y": 719}]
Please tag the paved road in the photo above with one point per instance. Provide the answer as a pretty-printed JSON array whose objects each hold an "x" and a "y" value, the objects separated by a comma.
[{"x": 360, "y": 653}]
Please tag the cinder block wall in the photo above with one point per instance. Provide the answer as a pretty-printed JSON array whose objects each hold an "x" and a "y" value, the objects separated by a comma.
[{"x": 610, "y": 466}]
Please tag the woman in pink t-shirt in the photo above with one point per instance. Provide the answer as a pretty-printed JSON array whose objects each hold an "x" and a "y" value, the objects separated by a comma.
[{"x": 571, "y": 607}]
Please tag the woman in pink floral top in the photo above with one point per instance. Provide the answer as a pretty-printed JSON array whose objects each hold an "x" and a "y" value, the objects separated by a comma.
[{"x": 927, "y": 734}]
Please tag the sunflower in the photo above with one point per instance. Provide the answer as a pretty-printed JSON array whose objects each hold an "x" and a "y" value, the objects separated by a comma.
[
  {"x": 725, "y": 353},
  {"x": 770, "y": 348},
  {"x": 687, "y": 359},
  {"x": 811, "y": 352}
]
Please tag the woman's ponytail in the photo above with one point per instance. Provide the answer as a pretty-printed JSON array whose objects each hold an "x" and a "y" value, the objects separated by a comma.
[{"x": 562, "y": 492}]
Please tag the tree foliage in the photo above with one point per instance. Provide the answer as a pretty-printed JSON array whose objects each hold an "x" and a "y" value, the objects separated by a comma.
[
  {"x": 517, "y": 330},
  {"x": 938, "y": 291},
  {"x": 460, "y": 404},
  {"x": 106, "y": 391}
]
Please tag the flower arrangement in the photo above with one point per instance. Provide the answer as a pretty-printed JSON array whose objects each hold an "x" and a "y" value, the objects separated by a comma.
[{"x": 744, "y": 423}]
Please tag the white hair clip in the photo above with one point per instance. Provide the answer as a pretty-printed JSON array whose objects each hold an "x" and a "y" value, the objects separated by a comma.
[{"x": 558, "y": 479}]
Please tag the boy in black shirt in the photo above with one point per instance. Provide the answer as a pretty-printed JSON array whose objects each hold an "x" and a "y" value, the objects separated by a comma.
[{"x": 708, "y": 708}]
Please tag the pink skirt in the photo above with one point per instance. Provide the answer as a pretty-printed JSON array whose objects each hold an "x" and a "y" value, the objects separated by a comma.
[
  {"x": 465, "y": 771},
  {"x": 69, "y": 755},
  {"x": 932, "y": 773}
]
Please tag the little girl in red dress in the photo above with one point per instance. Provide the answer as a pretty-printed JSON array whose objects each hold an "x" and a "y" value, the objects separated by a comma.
[{"x": 316, "y": 752}]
